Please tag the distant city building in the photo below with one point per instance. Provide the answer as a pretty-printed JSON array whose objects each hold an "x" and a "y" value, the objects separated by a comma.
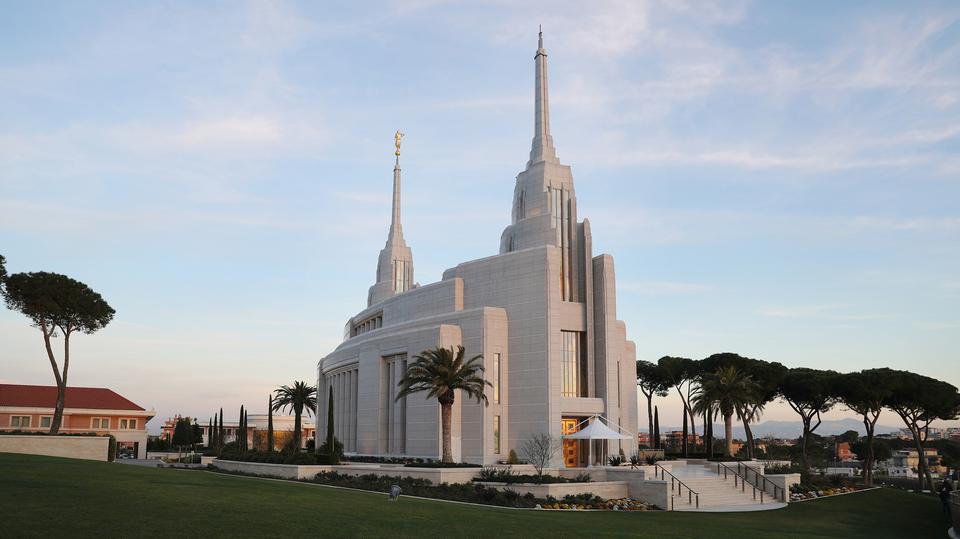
[
  {"x": 770, "y": 441},
  {"x": 256, "y": 430},
  {"x": 844, "y": 453},
  {"x": 674, "y": 439},
  {"x": 542, "y": 312},
  {"x": 905, "y": 463},
  {"x": 86, "y": 410}
]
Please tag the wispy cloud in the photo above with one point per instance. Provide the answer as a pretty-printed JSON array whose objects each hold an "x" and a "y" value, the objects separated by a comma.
[
  {"x": 663, "y": 288},
  {"x": 824, "y": 312}
]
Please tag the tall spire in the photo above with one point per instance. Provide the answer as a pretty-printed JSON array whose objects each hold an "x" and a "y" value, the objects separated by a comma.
[
  {"x": 542, "y": 148},
  {"x": 395, "y": 264},
  {"x": 395, "y": 228}
]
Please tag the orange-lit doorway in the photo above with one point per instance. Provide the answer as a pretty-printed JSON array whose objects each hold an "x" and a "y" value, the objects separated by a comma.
[{"x": 573, "y": 451}]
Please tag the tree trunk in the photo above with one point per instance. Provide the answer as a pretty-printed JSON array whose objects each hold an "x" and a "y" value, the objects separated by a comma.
[
  {"x": 446, "y": 415},
  {"x": 296, "y": 430},
  {"x": 728, "y": 432},
  {"x": 61, "y": 383},
  {"x": 923, "y": 473},
  {"x": 803, "y": 444},
  {"x": 868, "y": 461},
  {"x": 749, "y": 433}
]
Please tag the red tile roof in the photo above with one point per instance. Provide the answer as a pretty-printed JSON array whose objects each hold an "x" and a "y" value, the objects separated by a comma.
[{"x": 77, "y": 397}]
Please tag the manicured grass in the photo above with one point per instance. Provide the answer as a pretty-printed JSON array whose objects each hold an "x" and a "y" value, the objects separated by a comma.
[{"x": 42, "y": 496}]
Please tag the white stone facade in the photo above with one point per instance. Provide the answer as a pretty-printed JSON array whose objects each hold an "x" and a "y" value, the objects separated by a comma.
[{"x": 542, "y": 313}]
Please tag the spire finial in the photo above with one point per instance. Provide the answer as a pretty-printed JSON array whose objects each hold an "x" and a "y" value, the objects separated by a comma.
[
  {"x": 396, "y": 141},
  {"x": 540, "y": 45}
]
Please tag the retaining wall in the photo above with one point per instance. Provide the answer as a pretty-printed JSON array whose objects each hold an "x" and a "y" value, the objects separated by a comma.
[{"x": 71, "y": 447}]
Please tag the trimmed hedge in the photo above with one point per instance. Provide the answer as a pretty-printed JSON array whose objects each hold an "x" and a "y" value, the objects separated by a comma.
[
  {"x": 274, "y": 457},
  {"x": 435, "y": 464},
  {"x": 495, "y": 475}
]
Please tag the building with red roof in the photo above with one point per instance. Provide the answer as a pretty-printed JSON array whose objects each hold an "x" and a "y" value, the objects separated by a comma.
[{"x": 86, "y": 410}]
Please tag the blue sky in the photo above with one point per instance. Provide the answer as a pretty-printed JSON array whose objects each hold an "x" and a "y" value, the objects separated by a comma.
[{"x": 775, "y": 179}]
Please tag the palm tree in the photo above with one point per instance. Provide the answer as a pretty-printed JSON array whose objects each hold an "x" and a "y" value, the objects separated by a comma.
[
  {"x": 726, "y": 390},
  {"x": 440, "y": 372},
  {"x": 297, "y": 398}
]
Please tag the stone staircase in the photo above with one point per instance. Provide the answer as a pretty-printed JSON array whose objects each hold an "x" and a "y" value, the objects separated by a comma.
[{"x": 716, "y": 492}]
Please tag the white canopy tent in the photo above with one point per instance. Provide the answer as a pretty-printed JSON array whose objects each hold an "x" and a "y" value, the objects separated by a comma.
[{"x": 596, "y": 430}]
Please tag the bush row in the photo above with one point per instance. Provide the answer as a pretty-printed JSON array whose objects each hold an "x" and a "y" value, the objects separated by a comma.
[
  {"x": 499, "y": 475},
  {"x": 274, "y": 457},
  {"x": 463, "y": 492}
]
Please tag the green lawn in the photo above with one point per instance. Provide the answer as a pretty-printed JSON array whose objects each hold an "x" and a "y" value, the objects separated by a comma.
[{"x": 42, "y": 496}]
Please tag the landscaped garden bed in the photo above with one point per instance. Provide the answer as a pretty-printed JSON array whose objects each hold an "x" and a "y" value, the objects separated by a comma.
[
  {"x": 598, "y": 504},
  {"x": 505, "y": 475},
  {"x": 476, "y": 493},
  {"x": 800, "y": 493}
]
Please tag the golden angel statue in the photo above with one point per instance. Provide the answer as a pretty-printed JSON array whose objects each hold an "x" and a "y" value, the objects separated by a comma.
[{"x": 396, "y": 141}]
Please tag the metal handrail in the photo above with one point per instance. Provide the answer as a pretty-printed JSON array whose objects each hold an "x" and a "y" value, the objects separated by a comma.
[
  {"x": 776, "y": 488},
  {"x": 690, "y": 492},
  {"x": 743, "y": 480}
]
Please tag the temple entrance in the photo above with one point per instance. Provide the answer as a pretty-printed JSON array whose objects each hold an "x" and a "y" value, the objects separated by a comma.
[{"x": 574, "y": 452}]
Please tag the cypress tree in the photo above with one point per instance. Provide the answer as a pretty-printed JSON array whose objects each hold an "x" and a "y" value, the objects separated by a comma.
[
  {"x": 220, "y": 433},
  {"x": 708, "y": 437},
  {"x": 656, "y": 428},
  {"x": 240, "y": 426},
  {"x": 684, "y": 443},
  {"x": 246, "y": 440},
  {"x": 330, "y": 449},
  {"x": 270, "y": 424},
  {"x": 209, "y": 433}
]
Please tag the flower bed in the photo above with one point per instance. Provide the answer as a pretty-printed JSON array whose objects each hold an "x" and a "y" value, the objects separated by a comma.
[
  {"x": 809, "y": 492},
  {"x": 621, "y": 504}
]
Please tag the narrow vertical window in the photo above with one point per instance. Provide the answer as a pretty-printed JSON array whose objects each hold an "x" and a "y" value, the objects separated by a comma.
[
  {"x": 619, "y": 385},
  {"x": 560, "y": 220},
  {"x": 570, "y": 364},
  {"x": 496, "y": 435},
  {"x": 496, "y": 377}
]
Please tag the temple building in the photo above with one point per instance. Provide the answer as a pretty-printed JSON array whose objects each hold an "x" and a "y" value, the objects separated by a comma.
[{"x": 542, "y": 312}]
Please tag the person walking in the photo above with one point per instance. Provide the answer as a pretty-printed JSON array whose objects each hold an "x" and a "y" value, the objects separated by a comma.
[{"x": 946, "y": 487}]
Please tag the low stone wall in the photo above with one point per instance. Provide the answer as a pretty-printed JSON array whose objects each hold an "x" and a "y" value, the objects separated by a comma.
[
  {"x": 605, "y": 489},
  {"x": 784, "y": 482},
  {"x": 294, "y": 471},
  {"x": 653, "y": 491},
  {"x": 434, "y": 475},
  {"x": 640, "y": 481},
  {"x": 282, "y": 471},
  {"x": 71, "y": 447}
]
